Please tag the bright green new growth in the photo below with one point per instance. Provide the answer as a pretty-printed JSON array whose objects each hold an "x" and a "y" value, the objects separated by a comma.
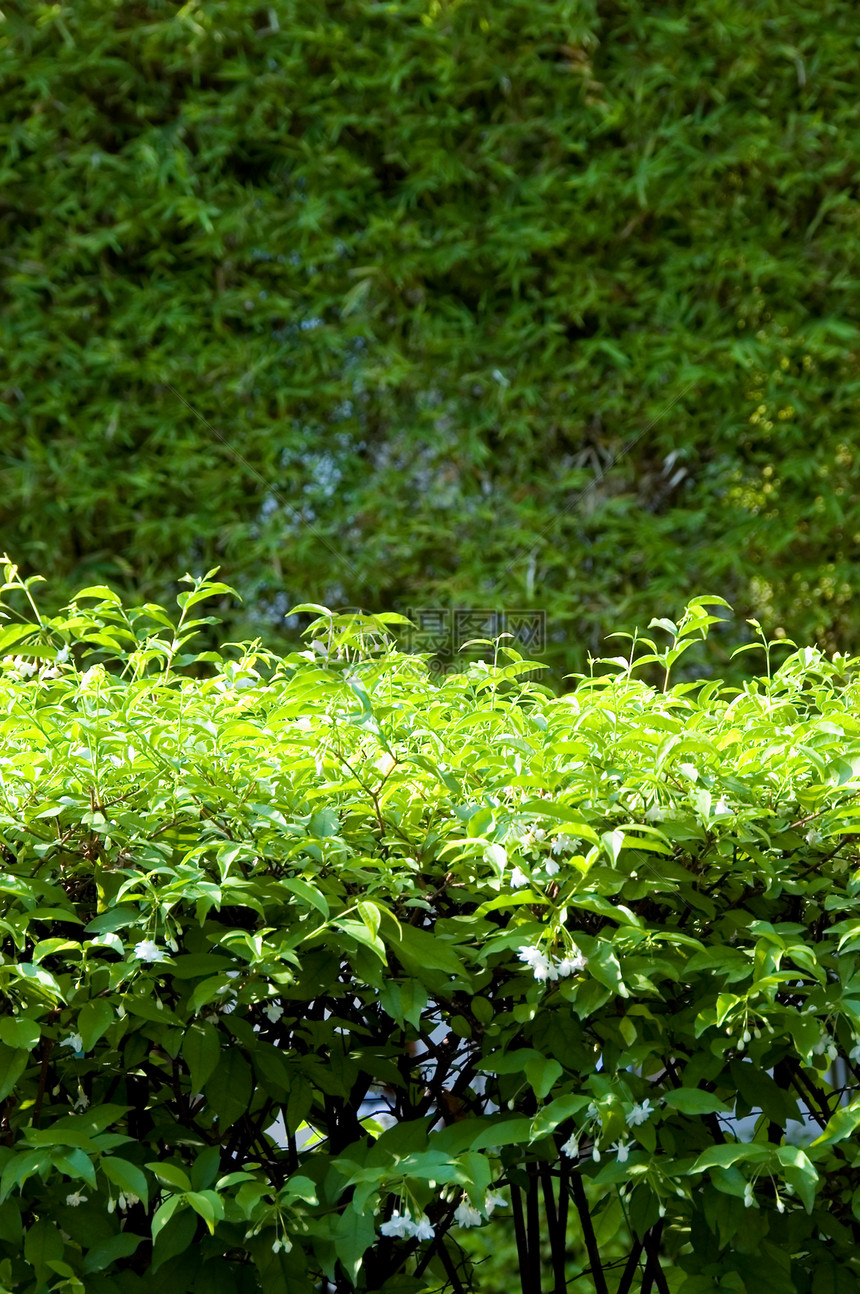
[{"x": 565, "y": 943}]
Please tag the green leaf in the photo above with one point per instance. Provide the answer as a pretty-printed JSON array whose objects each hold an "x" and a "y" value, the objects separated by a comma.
[
  {"x": 107, "y": 1252},
  {"x": 420, "y": 950},
  {"x": 604, "y": 966},
  {"x": 692, "y": 1100},
  {"x": 543, "y": 1074},
  {"x": 43, "y": 1245},
  {"x": 13, "y": 1062},
  {"x": 76, "y": 1164},
  {"x": 94, "y": 1020},
  {"x": 732, "y": 1153},
  {"x": 128, "y": 1177},
  {"x": 354, "y": 1233},
  {"x": 309, "y": 893},
  {"x": 800, "y": 1172},
  {"x": 170, "y": 1175},
  {"x": 230, "y": 1087},
  {"x": 208, "y": 1205},
  {"x": 19, "y": 1031},
  {"x": 201, "y": 1051}
]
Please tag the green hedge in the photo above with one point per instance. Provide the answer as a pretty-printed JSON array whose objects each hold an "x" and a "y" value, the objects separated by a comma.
[
  {"x": 593, "y": 957},
  {"x": 356, "y": 299}
]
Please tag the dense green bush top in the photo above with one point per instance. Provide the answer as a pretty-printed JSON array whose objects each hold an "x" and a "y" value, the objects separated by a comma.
[
  {"x": 357, "y": 298},
  {"x": 566, "y": 944}
]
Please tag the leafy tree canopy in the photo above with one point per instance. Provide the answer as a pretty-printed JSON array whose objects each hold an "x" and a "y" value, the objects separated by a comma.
[{"x": 311, "y": 964}]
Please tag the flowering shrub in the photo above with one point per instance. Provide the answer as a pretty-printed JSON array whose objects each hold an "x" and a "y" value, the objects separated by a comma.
[{"x": 278, "y": 1015}]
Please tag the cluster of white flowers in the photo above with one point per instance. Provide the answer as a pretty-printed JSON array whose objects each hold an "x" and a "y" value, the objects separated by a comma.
[
  {"x": 148, "y": 951},
  {"x": 571, "y": 1146},
  {"x": 125, "y": 1199},
  {"x": 281, "y": 1244},
  {"x": 403, "y": 1227},
  {"x": 546, "y": 967},
  {"x": 519, "y": 878},
  {"x": 826, "y": 1045},
  {"x": 22, "y": 667},
  {"x": 466, "y": 1215},
  {"x": 622, "y": 1147}
]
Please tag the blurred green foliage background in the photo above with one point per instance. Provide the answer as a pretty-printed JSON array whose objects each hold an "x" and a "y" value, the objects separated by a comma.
[{"x": 436, "y": 303}]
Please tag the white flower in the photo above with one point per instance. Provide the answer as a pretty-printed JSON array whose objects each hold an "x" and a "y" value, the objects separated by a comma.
[
  {"x": 570, "y": 965},
  {"x": 398, "y": 1226},
  {"x": 128, "y": 1200},
  {"x": 24, "y": 667},
  {"x": 75, "y": 1041},
  {"x": 821, "y": 1046},
  {"x": 639, "y": 1114},
  {"x": 540, "y": 834},
  {"x": 854, "y": 1053},
  {"x": 82, "y": 1101},
  {"x": 623, "y": 1148},
  {"x": 661, "y": 1212},
  {"x": 422, "y": 1228},
  {"x": 551, "y": 867},
  {"x": 404, "y": 1227},
  {"x": 833, "y": 1052},
  {"x": 749, "y": 1196},
  {"x": 111, "y": 1205},
  {"x": 274, "y": 1011},
  {"x": 545, "y": 969},
  {"x": 595, "y": 1154},
  {"x": 466, "y": 1215},
  {"x": 780, "y": 1207},
  {"x": 494, "y": 1202},
  {"x": 539, "y": 962},
  {"x": 518, "y": 878},
  {"x": 562, "y": 842},
  {"x": 148, "y": 951},
  {"x": 75, "y": 1199},
  {"x": 571, "y": 1147},
  {"x": 173, "y": 945}
]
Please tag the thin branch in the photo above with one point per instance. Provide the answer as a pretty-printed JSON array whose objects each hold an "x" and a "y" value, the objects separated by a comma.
[
  {"x": 522, "y": 1242},
  {"x": 630, "y": 1269},
  {"x": 556, "y": 1233},
  {"x": 448, "y": 1264},
  {"x": 652, "y": 1248},
  {"x": 581, "y": 1202},
  {"x": 533, "y": 1224}
]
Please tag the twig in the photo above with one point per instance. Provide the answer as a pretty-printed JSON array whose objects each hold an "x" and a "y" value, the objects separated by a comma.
[{"x": 581, "y": 1202}]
